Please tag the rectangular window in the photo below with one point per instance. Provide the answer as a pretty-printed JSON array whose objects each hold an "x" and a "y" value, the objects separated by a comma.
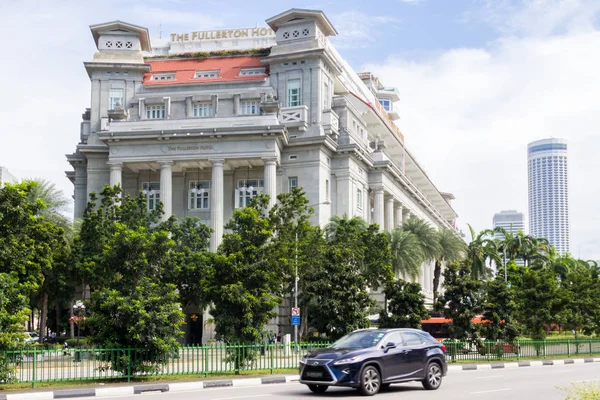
[
  {"x": 325, "y": 96},
  {"x": 252, "y": 71},
  {"x": 163, "y": 77},
  {"x": 292, "y": 183},
  {"x": 359, "y": 199},
  {"x": 250, "y": 107},
  {"x": 155, "y": 112},
  {"x": 248, "y": 188},
  {"x": 207, "y": 74},
  {"x": 327, "y": 189},
  {"x": 152, "y": 192},
  {"x": 116, "y": 98},
  {"x": 386, "y": 103},
  {"x": 203, "y": 110},
  {"x": 294, "y": 94},
  {"x": 199, "y": 195}
]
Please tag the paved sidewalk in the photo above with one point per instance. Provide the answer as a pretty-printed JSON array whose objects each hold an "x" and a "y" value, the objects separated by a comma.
[{"x": 117, "y": 391}]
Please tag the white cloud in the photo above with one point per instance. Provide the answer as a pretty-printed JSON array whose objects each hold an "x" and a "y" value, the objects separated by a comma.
[
  {"x": 468, "y": 114},
  {"x": 357, "y": 29}
]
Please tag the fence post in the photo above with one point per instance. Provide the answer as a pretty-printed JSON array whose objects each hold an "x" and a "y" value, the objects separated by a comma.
[
  {"x": 544, "y": 344},
  {"x": 34, "y": 373},
  {"x": 590, "y": 342},
  {"x": 128, "y": 364},
  {"x": 205, "y": 349},
  {"x": 271, "y": 357},
  {"x": 569, "y": 347}
]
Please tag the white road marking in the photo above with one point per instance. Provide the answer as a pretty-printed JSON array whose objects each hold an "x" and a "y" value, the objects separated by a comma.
[
  {"x": 586, "y": 380},
  {"x": 491, "y": 391},
  {"x": 244, "y": 397},
  {"x": 489, "y": 377}
]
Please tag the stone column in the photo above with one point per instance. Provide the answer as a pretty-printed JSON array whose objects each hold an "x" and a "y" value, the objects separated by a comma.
[
  {"x": 271, "y": 180},
  {"x": 389, "y": 214},
  {"x": 405, "y": 215},
  {"x": 81, "y": 194},
  {"x": 398, "y": 215},
  {"x": 378, "y": 208},
  {"x": 216, "y": 204},
  {"x": 116, "y": 174},
  {"x": 166, "y": 188}
]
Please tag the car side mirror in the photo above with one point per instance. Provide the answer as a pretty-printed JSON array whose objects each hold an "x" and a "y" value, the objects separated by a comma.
[{"x": 389, "y": 345}]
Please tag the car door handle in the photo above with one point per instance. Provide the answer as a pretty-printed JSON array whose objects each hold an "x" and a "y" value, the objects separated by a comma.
[{"x": 404, "y": 351}]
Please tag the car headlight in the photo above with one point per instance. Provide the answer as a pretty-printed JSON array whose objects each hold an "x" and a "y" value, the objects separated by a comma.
[
  {"x": 347, "y": 360},
  {"x": 303, "y": 360}
]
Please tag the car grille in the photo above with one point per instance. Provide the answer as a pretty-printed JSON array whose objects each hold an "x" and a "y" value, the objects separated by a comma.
[{"x": 309, "y": 371}]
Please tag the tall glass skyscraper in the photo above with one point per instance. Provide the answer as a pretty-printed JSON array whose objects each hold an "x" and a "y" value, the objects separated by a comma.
[{"x": 549, "y": 192}]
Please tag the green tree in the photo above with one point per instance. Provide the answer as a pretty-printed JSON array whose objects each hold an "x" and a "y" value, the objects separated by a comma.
[
  {"x": 451, "y": 248},
  {"x": 461, "y": 300},
  {"x": 147, "y": 316},
  {"x": 56, "y": 274},
  {"x": 133, "y": 305},
  {"x": 481, "y": 250},
  {"x": 355, "y": 258},
  {"x": 499, "y": 310},
  {"x": 539, "y": 302},
  {"x": 581, "y": 291},
  {"x": 246, "y": 287},
  {"x": 406, "y": 306},
  {"x": 427, "y": 236},
  {"x": 192, "y": 270},
  {"x": 407, "y": 255},
  {"x": 296, "y": 243}
]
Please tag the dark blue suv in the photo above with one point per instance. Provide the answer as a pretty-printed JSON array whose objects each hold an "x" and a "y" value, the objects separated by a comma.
[{"x": 371, "y": 359}]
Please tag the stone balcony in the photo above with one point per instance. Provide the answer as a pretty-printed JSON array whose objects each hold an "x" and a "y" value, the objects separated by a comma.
[
  {"x": 294, "y": 117},
  {"x": 331, "y": 123}
]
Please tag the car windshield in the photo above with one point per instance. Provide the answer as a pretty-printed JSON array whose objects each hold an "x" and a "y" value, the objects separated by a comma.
[{"x": 359, "y": 340}]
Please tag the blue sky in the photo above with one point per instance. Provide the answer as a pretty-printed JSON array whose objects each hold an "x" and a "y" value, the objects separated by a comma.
[{"x": 478, "y": 80}]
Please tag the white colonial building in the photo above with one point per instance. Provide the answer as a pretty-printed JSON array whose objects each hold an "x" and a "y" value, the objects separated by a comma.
[{"x": 203, "y": 133}]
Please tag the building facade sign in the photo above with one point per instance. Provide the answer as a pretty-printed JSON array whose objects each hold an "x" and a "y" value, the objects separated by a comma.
[{"x": 261, "y": 32}]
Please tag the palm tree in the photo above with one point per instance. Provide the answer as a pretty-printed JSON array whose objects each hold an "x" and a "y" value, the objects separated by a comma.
[
  {"x": 427, "y": 236},
  {"x": 452, "y": 248},
  {"x": 55, "y": 204},
  {"x": 338, "y": 225},
  {"x": 407, "y": 255},
  {"x": 481, "y": 249}
]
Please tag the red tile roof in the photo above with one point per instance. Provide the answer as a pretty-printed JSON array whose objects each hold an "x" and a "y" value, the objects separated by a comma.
[{"x": 185, "y": 70}]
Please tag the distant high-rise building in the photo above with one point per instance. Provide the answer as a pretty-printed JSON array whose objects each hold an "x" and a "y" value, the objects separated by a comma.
[
  {"x": 548, "y": 192},
  {"x": 6, "y": 177},
  {"x": 511, "y": 220}
]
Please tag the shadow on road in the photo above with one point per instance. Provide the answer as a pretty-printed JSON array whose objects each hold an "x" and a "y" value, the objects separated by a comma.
[{"x": 335, "y": 392}]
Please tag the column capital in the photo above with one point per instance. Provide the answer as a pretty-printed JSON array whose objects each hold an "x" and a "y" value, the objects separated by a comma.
[
  {"x": 217, "y": 161},
  {"x": 398, "y": 205},
  {"x": 270, "y": 160},
  {"x": 379, "y": 189},
  {"x": 389, "y": 199},
  {"x": 167, "y": 163}
]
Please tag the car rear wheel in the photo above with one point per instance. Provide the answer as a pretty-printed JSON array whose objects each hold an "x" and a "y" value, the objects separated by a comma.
[
  {"x": 318, "y": 388},
  {"x": 433, "y": 379},
  {"x": 370, "y": 381}
]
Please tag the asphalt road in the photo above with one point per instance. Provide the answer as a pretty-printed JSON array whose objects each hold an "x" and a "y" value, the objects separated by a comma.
[{"x": 514, "y": 384}]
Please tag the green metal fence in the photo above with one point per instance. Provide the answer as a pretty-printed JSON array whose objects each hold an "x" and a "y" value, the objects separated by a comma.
[
  {"x": 36, "y": 365},
  {"x": 520, "y": 349}
]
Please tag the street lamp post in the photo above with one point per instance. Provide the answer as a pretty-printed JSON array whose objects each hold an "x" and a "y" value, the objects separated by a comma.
[
  {"x": 79, "y": 307},
  {"x": 297, "y": 278}
]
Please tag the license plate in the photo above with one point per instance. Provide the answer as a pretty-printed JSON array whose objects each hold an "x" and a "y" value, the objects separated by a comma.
[{"x": 313, "y": 374}]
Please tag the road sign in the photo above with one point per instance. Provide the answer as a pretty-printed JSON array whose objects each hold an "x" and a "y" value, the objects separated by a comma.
[
  {"x": 295, "y": 320},
  {"x": 295, "y": 311}
]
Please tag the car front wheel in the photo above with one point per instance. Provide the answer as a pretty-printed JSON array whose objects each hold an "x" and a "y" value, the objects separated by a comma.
[
  {"x": 433, "y": 379},
  {"x": 370, "y": 381},
  {"x": 318, "y": 388}
]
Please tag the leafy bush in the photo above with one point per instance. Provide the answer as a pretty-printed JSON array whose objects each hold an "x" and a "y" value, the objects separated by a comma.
[{"x": 582, "y": 391}]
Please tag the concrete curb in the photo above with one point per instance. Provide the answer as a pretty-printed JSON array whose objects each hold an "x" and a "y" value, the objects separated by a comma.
[
  {"x": 139, "y": 389},
  {"x": 250, "y": 382},
  {"x": 519, "y": 364}
]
